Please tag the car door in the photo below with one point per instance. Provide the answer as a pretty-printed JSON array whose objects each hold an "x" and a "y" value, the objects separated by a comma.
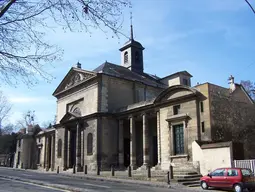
[
  {"x": 218, "y": 178},
  {"x": 233, "y": 176}
]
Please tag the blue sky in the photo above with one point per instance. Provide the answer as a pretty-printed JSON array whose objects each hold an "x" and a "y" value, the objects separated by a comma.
[{"x": 211, "y": 39}]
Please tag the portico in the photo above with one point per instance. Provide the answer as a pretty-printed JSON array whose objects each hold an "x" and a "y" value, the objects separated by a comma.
[{"x": 139, "y": 140}]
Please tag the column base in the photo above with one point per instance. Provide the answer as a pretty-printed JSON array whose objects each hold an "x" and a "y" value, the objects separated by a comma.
[
  {"x": 133, "y": 167},
  {"x": 144, "y": 167},
  {"x": 122, "y": 168}
]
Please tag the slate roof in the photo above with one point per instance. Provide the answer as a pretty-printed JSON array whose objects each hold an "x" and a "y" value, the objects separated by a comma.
[
  {"x": 123, "y": 72},
  {"x": 177, "y": 73}
]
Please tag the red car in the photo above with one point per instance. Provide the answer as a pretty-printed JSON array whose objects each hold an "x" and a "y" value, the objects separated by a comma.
[{"x": 237, "y": 179}]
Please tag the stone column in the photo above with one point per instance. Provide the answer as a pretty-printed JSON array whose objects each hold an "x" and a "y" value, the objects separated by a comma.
[
  {"x": 44, "y": 153},
  {"x": 121, "y": 145},
  {"x": 52, "y": 152},
  {"x": 64, "y": 151},
  {"x": 82, "y": 148},
  {"x": 47, "y": 153},
  {"x": 132, "y": 143},
  {"x": 159, "y": 138},
  {"x": 68, "y": 148},
  {"x": 146, "y": 157},
  {"x": 78, "y": 147}
]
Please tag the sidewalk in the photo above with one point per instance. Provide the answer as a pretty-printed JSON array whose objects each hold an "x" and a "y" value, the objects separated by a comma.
[{"x": 120, "y": 177}]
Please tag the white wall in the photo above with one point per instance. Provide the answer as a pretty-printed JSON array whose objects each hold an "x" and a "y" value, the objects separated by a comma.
[{"x": 212, "y": 158}]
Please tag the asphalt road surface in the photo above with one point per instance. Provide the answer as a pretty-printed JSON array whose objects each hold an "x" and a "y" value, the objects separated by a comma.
[
  {"x": 7, "y": 185},
  {"x": 88, "y": 185}
]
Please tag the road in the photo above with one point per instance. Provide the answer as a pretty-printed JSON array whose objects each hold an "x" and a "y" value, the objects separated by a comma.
[
  {"x": 7, "y": 185},
  {"x": 88, "y": 185}
]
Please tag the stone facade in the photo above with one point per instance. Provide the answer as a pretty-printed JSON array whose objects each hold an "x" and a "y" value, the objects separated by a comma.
[{"x": 119, "y": 115}]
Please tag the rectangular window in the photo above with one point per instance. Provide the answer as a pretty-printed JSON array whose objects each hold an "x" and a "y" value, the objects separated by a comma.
[
  {"x": 185, "y": 82},
  {"x": 203, "y": 127},
  {"x": 178, "y": 139},
  {"x": 202, "y": 106},
  {"x": 38, "y": 156},
  {"x": 232, "y": 173},
  {"x": 176, "y": 109}
]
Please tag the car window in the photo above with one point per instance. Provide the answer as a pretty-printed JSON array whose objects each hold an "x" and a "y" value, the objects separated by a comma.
[
  {"x": 218, "y": 172},
  {"x": 246, "y": 172},
  {"x": 232, "y": 173}
]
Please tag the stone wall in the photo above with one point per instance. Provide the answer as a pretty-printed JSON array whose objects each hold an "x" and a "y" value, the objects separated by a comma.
[
  {"x": 190, "y": 132},
  {"x": 109, "y": 142},
  {"x": 204, "y": 116},
  {"x": 59, "y": 134},
  {"x": 232, "y": 118},
  {"x": 91, "y": 160},
  {"x": 117, "y": 93},
  {"x": 89, "y": 104}
]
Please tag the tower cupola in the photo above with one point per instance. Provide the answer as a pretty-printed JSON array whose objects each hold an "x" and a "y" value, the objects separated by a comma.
[{"x": 132, "y": 54}]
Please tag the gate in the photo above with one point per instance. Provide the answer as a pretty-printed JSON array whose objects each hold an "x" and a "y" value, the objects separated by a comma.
[{"x": 249, "y": 164}]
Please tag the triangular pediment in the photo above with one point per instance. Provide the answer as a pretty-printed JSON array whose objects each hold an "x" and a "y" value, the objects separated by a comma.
[
  {"x": 73, "y": 78},
  {"x": 69, "y": 116}
]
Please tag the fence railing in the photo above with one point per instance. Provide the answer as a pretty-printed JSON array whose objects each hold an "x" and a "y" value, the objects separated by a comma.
[{"x": 249, "y": 164}]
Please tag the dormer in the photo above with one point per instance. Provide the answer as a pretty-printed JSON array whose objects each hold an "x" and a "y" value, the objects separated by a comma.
[{"x": 179, "y": 78}]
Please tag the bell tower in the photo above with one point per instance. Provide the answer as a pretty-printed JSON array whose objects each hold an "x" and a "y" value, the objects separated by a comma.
[{"x": 132, "y": 53}]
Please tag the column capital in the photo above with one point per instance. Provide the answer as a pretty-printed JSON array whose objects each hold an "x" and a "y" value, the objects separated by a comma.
[{"x": 144, "y": 113}]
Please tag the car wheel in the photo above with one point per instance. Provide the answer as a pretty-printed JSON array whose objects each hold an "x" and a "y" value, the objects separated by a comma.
[
  {"x": 204, "y": 185},
  {"x": 238, "y": 188}
]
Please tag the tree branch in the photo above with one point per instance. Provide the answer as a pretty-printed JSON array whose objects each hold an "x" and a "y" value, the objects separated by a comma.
[
  {"x": 5, "y": 9},
  {"x": 253, "y": 10}
]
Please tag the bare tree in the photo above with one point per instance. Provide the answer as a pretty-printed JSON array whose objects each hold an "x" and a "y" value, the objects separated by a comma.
[
  {"x": 24, "y": 53},
  {"x": 249, "y": 86},
  {"x": 7, "y": 129},
  {"x": 5, "y": 109},
  {"x": 27, "y": 119}
]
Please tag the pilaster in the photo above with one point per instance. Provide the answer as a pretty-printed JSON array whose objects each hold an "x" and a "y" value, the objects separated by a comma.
[
  {"x": 132, "y": 143},
  {"x": 78, "y": 147},
  {"x": 121, "y": 144}
]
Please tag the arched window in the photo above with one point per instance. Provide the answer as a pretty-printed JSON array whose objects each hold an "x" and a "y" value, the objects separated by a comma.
[
  {"x": 90, "y": 144},
  {"x": 77, "y": 111},
  {"x": 137, "y": 56},
  {"x": 126, "y": 57},
  {"x": 59, "y": 148}
]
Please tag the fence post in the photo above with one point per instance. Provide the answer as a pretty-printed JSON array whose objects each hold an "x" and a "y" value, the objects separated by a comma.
[
  {"x": 112, "y": 170},
  {"x": 85, "y": 169},
  {"x": 73, "y": 169},
  {"x": 129, "y": 171},
  {"x": 168, "y": 179},
  {"x": 148, "y": 171},
  {"x": 171, "y": 172},
  {"x": 98, "y": 170}
]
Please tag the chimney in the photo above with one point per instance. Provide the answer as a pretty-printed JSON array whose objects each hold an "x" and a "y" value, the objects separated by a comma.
[
  {"x": 78, "y": 65},
  {"x": 231, "y": 82}
]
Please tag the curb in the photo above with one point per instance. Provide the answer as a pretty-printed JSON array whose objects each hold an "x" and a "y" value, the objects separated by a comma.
[
  {"x": 56, "y": 186},
  {"x": 104, "y": 179},
  {"x": 126, "y": 181}
]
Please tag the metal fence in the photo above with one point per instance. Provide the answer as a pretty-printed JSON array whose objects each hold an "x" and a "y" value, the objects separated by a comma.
[{"x": 249, "y": 164}]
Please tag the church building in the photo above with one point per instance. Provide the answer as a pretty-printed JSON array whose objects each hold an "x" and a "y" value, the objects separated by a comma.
[{"x": 120, "y": 115}]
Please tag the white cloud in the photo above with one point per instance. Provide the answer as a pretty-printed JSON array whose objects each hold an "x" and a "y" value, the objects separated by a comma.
[{"x": 28, "y": 99}]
